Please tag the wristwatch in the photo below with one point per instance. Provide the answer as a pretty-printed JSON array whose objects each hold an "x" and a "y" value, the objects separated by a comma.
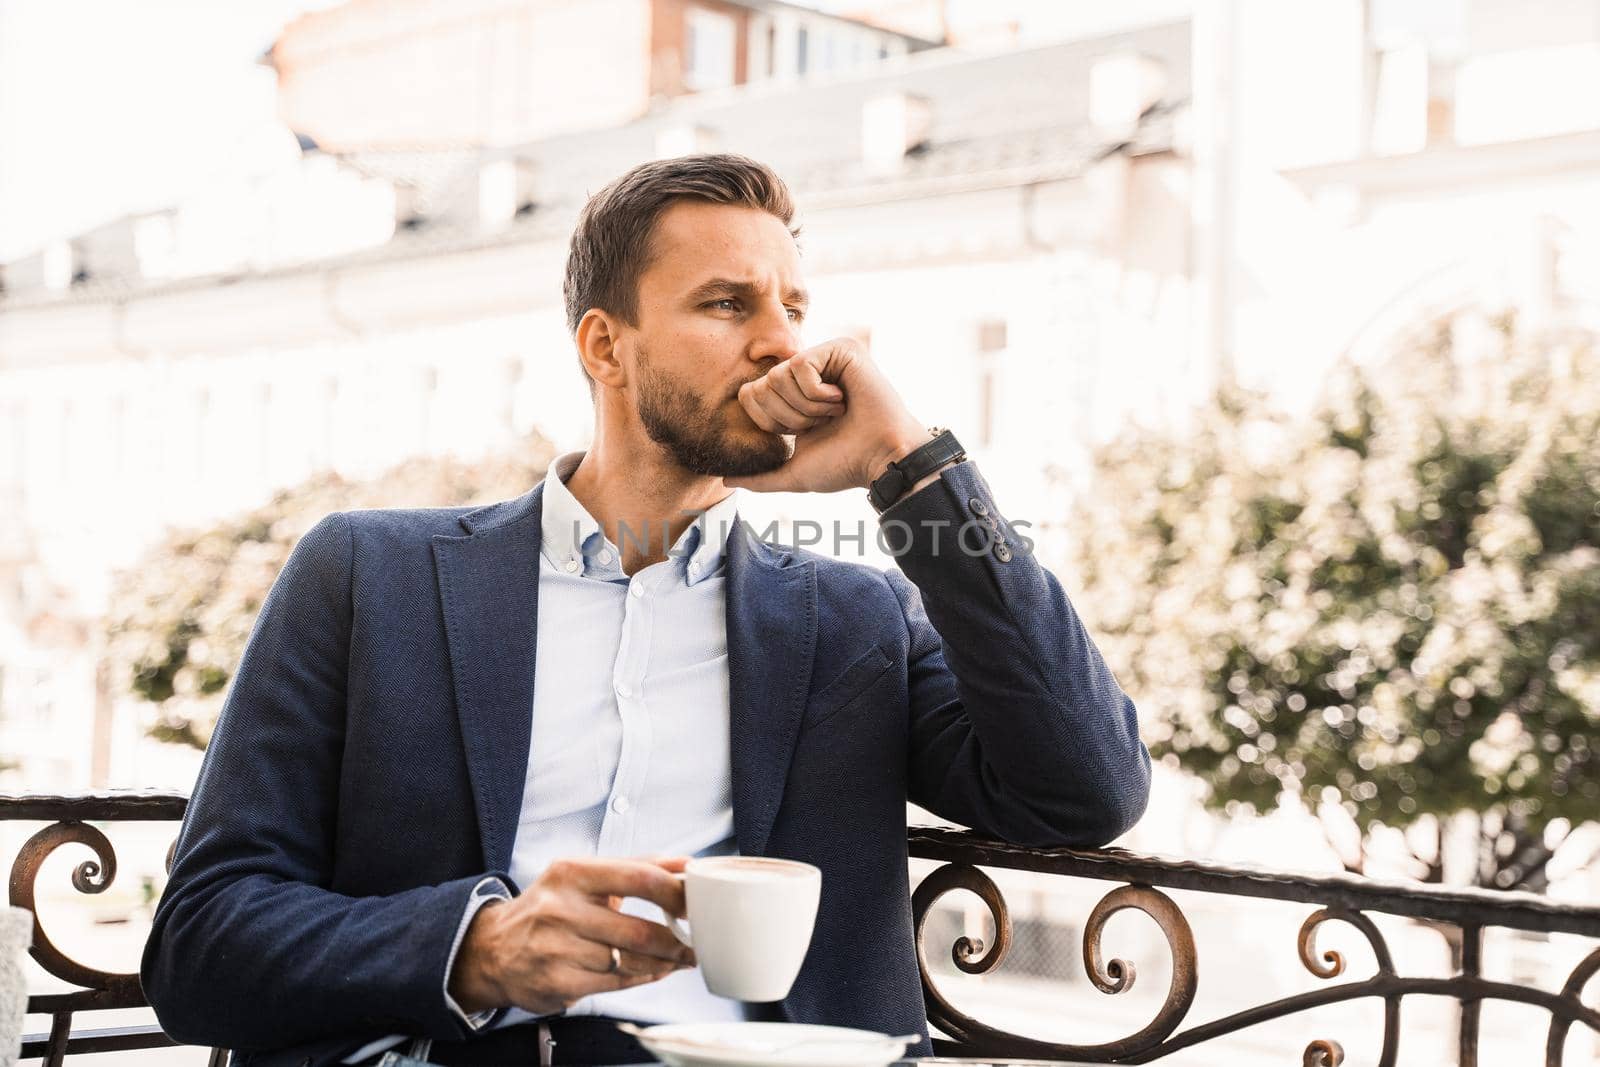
[{"x": 906, "y": 472}]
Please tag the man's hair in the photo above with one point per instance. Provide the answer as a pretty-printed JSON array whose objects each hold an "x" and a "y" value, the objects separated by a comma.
[{"x": 612, "y": 246}]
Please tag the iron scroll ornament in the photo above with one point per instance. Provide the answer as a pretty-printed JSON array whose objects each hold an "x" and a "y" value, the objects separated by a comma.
[
  {"x": 100, "y": 989},
  {"x": 1113, "y": 976}
]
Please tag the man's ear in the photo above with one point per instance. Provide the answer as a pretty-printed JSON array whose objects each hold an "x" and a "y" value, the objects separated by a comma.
[{"x": 598, "y": 333}]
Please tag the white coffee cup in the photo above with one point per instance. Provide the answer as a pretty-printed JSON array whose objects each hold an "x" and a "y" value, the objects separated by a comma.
[{"x": 750, "y": 922}]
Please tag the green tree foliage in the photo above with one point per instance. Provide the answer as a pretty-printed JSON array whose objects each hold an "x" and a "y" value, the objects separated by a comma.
[
  {"x": 179, "y": 620},
  {"x": 1389, "y": 608}
]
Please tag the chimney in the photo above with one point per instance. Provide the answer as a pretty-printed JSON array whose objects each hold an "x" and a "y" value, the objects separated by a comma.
[
  {"x": 1122, "y": 87},
  {"x": 684, "y": 139},
  {"x": 407, "y": 206},
  {"x": 61, "y": 264},
  {"x": 505, "y": 190},
  {"x": 893, "y": 126}
]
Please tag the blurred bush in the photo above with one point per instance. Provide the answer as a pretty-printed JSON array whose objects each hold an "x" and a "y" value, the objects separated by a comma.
[
  {"x": 1388, "y": 611},
  {"x": 179, "y": 620}
]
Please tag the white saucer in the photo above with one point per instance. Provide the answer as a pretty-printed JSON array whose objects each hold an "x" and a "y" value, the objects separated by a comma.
[{"x": 768, "y": 1044}]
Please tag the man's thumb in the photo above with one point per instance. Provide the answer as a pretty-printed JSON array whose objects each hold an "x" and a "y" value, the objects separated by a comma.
[{"x": 771, "y": 482}]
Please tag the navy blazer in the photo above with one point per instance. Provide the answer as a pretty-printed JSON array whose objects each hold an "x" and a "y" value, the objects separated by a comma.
[{"x": 367, "y": 769}]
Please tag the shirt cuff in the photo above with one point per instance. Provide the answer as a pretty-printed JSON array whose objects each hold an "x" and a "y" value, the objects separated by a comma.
[{"x": 490, "y": 888}]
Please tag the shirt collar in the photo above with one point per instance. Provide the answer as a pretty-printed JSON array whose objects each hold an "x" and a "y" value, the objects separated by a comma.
[{"x": 573, "y": 541}]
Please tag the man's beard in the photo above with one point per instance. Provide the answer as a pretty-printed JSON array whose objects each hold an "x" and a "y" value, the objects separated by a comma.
[{"x": 695, "y": 434}]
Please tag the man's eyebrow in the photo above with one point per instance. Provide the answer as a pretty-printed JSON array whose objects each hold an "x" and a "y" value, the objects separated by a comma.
[{"x": 714, "y": 287}]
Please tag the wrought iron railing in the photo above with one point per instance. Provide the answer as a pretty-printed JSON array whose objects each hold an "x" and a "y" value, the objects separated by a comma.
[
  {"x": 71, "y": 820},
  {"x": 1142, "y": 878},
  {"x": 1337, "y": 898}
]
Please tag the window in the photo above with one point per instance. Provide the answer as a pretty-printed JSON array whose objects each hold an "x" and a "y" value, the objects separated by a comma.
[
  {"x": 802, "y": 46},
  {"x": 708, "y": 50}
]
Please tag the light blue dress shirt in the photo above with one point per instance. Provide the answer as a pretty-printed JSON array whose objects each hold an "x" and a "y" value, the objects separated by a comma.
[{"x": 629, "y": 752}]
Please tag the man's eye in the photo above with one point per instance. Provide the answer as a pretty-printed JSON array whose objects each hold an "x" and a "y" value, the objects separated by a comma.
[{"x": 731, "y": 304}]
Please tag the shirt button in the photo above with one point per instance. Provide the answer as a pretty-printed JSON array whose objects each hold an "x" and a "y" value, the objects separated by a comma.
[
  {"x": 1002, "y": 552},
  {"x": 572, "y": 566},
  {"x": 636, "y": 590},
  {"x": 978, "y": 507},
  {"x": 620, "y": 805},
  {"x": 605, "y": 555},
  {"x": 624, "y": 690}
]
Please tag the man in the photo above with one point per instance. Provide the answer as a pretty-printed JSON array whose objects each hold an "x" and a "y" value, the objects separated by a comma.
[{"x": 466, "y": 750}]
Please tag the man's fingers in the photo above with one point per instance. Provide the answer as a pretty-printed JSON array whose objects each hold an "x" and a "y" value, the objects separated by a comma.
[
  {"x": 789, "y": 382},
  {"x": 602, "y": 878},
  {"x": 791, "y": 417},
  {"x": 596, "y": 956},
  {"x": 778, "y": 411},
  {"x": 640, "y": 937},
  {"x": 809, "y": 376},
  {"x": 758, "y": 414}
]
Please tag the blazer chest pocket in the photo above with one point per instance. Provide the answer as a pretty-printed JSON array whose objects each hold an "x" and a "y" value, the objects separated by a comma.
[{"x": 855, "y": 680}]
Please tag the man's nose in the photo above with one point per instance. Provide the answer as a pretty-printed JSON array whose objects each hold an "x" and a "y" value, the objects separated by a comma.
[{"x": 777, "y": 336}]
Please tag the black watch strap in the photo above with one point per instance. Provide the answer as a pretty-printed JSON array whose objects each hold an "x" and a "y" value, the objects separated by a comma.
[{"x": 906, "y": 472}]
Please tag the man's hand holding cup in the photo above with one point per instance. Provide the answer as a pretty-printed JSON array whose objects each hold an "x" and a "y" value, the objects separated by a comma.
[{"x": 565, "y": 937}]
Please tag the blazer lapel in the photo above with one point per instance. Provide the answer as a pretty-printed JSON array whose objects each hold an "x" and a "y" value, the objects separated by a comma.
[
  {"x": 772, "y": 636},
  {"x": 489, "y": 586}
]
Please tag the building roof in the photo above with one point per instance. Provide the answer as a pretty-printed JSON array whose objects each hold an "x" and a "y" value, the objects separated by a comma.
[
  {"x": 812, "y": 13},
  {"x": 998, "y": 119},
  {"x": 814, "y": 126}
]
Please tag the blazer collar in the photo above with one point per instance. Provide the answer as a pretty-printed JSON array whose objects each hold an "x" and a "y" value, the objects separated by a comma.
[
  {"x": 489, "y": 588},
  {"x": 772, "y": 636},
  {"x": 504, "y": 513}
]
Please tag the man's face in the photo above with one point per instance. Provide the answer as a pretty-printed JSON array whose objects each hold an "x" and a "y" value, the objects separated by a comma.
[{"x": 719, "y": 306}]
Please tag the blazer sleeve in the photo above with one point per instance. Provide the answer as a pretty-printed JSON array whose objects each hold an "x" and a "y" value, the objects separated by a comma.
[
  {"x": 1017, "y": 727},
  {"x": 249, "y": 947}
]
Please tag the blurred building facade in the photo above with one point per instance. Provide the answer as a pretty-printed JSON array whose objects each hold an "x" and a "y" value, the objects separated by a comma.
[
  {"x": 505, "y": 72},
  {"x": 1040, "y": 240}
]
